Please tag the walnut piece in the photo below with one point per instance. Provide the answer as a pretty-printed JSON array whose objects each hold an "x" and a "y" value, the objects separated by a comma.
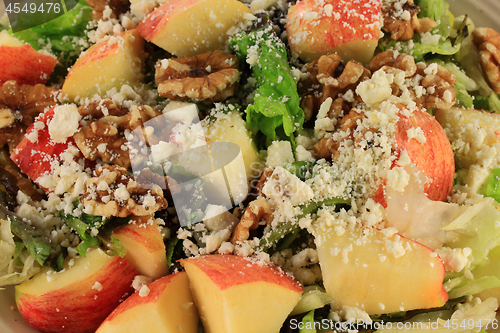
[
  {"x": 328, "y": 148},
  {"x": 211, "y": 77},
  {"x": 117, "y": 7},
  {"x": 113, "y": 192},
  {"x": 488, "y": 42},
  {"x": 105, "y": 137},
  {"x": 433, "y": 84},
  {"x": 328, "y": 77},
  {"x": 256, "y": 211},
  {"x": 19, "y": 106},
  {"x": 402, "y": 24}
]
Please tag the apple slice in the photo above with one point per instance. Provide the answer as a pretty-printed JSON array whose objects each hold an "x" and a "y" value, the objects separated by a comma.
[
  {"x": 20, "y": 62},
  {"x": 37, "y": 152},
  {"x": 168, "y": 308},
  {"x": 236, "y": 294},
  {"x": 145, "y": 248},
  {"x": 191, "y": 27},
  {"x": 108, "y": 64},
  {"x": 349, "y": 28},
  {"x": 474, "y": 135},
  {"x": 232, "y": 128},
  {"x": 431, "y": 152},
  {"x": 366, "y": 269},
  {"x": 78, "y": 298}
]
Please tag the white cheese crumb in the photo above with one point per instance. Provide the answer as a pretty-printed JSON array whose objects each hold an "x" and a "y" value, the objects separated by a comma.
[{"x": 65, "y": 122}]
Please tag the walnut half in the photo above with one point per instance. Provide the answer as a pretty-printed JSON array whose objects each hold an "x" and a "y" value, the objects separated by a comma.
[
  {"x": 211, "y": 77},
  {"x": 488, "y": 42},
  {"x": 105, "y": 137}
]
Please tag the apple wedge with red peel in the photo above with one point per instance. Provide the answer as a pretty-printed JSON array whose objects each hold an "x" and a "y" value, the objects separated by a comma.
[
  {"x": 191, "y": 27},
  {"x": 145, "y": 248},
  {"x": 349, "y": 28},
  {"x": 237, "y": 294},
  {"x": 168, "y": 308},
  {"x": 431, "y": 152},
  {"x": 20, "y": 62},
  {"x": 379, "y": 273},
  {"x": 108, "y": 64},
  {"x": 78, "y": 298},
  {"x": 35, "y": 157}
]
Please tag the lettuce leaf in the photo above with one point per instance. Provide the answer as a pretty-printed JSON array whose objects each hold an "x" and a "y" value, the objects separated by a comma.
[
  {"x": 276, "y": 110},
  {"x": 477, "y": 229},
  {"x": 15, "y": 267}
]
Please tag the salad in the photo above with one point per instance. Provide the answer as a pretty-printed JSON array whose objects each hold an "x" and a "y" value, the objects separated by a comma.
[{"x": 251, "y": 166}]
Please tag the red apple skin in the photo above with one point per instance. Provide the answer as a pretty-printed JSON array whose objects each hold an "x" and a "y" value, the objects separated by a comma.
[
  {"x": 25, "y": 65},
  {"x": 78, "y": 308},
  {"x": 34, "y": 158},
  {"x": 434, "y": 157},
  {"x": 349, "y": 21},
  {"x": 221, "y": 269}
]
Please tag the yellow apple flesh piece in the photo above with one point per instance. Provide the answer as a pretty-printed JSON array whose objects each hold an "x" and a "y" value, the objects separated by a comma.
[
  {"x": 365, "y": 269},
  {"x": 108, "y": 64},
  {"x": 232, "y": 128},
  {"x": 236, "y": 294},
  {"x": 20, "y": 62},
  {"x": 191, "y": 27},
  {"x": 474, "y": 134},
  {"x": 349, "y": 28},
  {"x": 78, "y": 298},
  {"x": 168, "y": 308},
  {"x": 433, "y": 156},
  {"x": 145, "y": 248}
]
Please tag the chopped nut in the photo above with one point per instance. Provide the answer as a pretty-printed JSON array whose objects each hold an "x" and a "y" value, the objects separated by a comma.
[
  {"x": 437, "y": 81},
  {"x": 113, "y": 192},
  {"x": 117, "y": 7},
  {"x": 19, "y": 106},
  {"x": 328, "y": 148},
  {"x": 211, "y": 77},
  {"x": 328, "y": 77},
  {"x": 402, "y": 24},
  {"x": 263, "y": 179},
  {"x": 256, "y": 211},
  {"x": 488, "y": 42},
  {"x": 108, "y": 131}
]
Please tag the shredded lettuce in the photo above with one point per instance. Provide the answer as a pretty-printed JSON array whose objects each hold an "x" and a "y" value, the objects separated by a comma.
[
  {"x": 314, "y": 297},
  {"x": 467, "y": 318},
  {"x": 492, "y": 189},
  {"x": 15, "y": 266},
  {"x": 477, "y": 229},
  {"x": 276, "y": 110}
]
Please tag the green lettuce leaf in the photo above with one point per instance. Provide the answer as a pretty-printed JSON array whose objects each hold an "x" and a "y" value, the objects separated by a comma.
[
  {"x": 276, "y": 110},
  {"x": 477, "y": 229}
]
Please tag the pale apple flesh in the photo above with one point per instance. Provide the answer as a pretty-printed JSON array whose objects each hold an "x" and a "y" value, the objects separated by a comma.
[
  {"x": 365, "y": 269},
  {"x": 349, "y": 28},
  {"x": 78, "y": 298},
  {"x": 20, "y": 62},
  {"x": 191, "y": 27},
  {"x": 235, "y": 294},
  {"x": 434, "y": 157},
  {"x": 108, "y": 64},
  {"x": 145, "y": 247},
  {"x": 168, "y": 308}
]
